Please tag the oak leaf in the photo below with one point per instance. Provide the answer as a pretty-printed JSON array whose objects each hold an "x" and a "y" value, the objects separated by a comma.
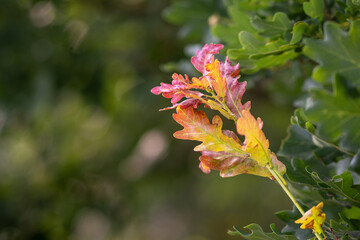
[
  {"x": 198, "y": 127},
  {"x": 255, "y": 143}
]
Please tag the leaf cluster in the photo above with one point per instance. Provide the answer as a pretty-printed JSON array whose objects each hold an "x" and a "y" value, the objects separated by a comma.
[{"x": 219, "y": 89}]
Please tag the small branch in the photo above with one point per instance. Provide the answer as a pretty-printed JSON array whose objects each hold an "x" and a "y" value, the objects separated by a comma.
[
  {"x": 283, "y": 185},
  {"x": 286, "y": 190}
]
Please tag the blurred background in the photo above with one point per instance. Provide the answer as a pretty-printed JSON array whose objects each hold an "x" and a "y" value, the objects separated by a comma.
[{"x": 84, "y": 152}]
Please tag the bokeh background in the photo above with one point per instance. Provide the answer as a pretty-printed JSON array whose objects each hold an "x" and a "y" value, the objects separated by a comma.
[{"x": 84, "y": 152}]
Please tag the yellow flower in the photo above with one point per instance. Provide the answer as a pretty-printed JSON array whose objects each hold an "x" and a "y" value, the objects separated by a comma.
[{"x": 313, "y": 219}]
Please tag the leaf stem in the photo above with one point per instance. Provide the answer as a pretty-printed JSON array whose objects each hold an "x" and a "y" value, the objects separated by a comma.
[
  {"x": 224, "y": 106},
  {"x": 285, "y": 188},
  {"x": 332, "y": 145},
  {"x": 283, "y": 185}
]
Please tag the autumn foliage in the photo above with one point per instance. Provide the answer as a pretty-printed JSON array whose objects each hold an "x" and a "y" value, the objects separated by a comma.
[{"x": 219, "y": 89}]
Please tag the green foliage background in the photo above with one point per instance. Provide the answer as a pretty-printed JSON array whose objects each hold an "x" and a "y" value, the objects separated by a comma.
[{"x": 84, "y": 154}]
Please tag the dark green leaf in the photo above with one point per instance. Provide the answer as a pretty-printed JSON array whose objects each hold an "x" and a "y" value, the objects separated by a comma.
[
  {"x": 340, "y": 184},
  {"x": 300, "y": 117},
  {"x": 257, "y": 233},
  {"x": 298, "y": 144},
  {"x": 289, "y": 218},
  {"x": 337, "y": 115},
  {"x": 337, "y": 53},
  {"x": 355, "y": 163},
  {"x": 279, "y": 26},
  {"x": 328, "y": 154},
  {"x": 256, "y": 53},
  {"x": 342, "y": 230},
  {"x": 298, "y": 173}
]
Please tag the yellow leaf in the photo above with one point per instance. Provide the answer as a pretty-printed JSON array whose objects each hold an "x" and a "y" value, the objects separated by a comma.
[
  {"x": 255, "y": 143},
  {"x": 218, "y": 82},
  {"x": 313, "y": 219},
  {"x": 197, "y": 127}
]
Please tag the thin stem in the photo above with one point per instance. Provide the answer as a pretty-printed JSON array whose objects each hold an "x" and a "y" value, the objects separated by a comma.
[
  {"x": 224, "y": 106},
  {"x": 317, "y": 235},
  {"x": 286, "y": 190},
  {"x": 283, "y": 185}
]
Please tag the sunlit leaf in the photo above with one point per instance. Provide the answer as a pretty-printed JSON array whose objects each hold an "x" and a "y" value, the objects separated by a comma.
[
  {"x": 221, "y": 149},
  {"x": 231, "y": 165},
  {"x": 256, "y": 143},
  {"x": 218, "y": 82},
  {"x": 297, "y": 32},
  {"x": 233, "y": 98},
  {"x": 198, "y": 127},
  {"x": 314, "y": 218},
  {"x": 205, "y": 56}
]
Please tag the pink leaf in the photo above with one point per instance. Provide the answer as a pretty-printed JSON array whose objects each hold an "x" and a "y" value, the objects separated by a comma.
[
  {"x": 233, "y": 98},
  {"x": 204, "y": 56}
]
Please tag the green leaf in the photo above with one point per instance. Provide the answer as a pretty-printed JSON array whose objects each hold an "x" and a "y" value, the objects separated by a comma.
[
  {"x": 321, "y": 75},
  {"x": 291, "y": 227},
  {"x": 352, "y": 213},
  {"x": 343, "y": 230},
  {"x": 328, "y": 155},
  {"x": 310, "y": 127},
  {"x": 314, "y": 9},
  {"x": 337, "y": 115},
  {"x": 298, "y": 31},
  {"x": 299, "y": 118},
  {"x": 298, "y": 144},
  {"x": 257, "y": 233},
  {"x": 240, "y": 21},
  {"x": 279, "y": 26},
  {"x": 353, "y": 224},
  {"x": 341, "y": 185},
  {"x": 256, "y": 53},
  {"x": 252, "y": 5},
  {"x": 355, "y": 163},
  {"x": 338, "y": 53},
  {"x": 297, "y": 173},
  {"x": 355, "y": 2}
]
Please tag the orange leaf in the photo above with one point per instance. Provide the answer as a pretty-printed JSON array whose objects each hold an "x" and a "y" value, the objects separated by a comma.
[
  {"x": 313, "y": 219},
  {"x": 230, "y": 165},
  {"x": 197, "y": 127},
  {"x": 218, "y": 82}
]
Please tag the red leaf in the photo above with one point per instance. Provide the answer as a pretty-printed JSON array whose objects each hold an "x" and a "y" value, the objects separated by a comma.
[
  {"x": 233, "y": 98},
  {"x": 204, "y": 56}
]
